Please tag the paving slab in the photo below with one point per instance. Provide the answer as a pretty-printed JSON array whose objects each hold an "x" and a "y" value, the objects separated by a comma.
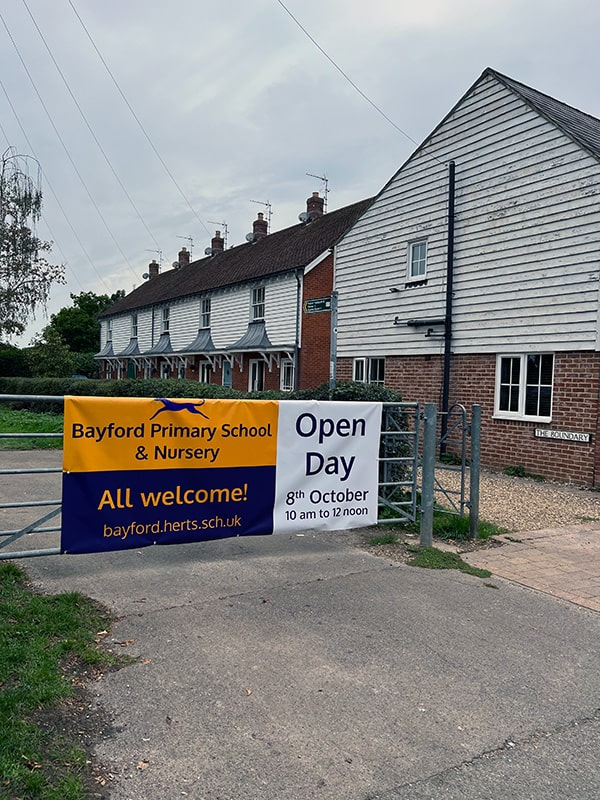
[{"x": 563, "y": 562}]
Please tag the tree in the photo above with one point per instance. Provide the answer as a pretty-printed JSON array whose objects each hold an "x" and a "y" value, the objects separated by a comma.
[
  {"x": 78, "y": 324},
  {"x": 49, "y": 356},
  {"x": 26, "y": 276}
]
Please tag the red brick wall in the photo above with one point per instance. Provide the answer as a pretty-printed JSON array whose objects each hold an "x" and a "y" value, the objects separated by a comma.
[
  {"x": 316, "y": 328},
  {"x": 512, "y": 442}
]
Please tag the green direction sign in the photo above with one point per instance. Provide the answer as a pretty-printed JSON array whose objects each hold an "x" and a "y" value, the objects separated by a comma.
[{"x": 317, "y": 304}]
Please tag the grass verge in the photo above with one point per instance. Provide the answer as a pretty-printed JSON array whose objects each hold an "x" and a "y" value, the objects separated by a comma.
[
  {"x": 432, "y": 558},
  {"x": 48, "y": 650},
  {"x": 23, "y": 421}
]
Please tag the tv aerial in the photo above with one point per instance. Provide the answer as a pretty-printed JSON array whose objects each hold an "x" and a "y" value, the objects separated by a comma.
[
  {"x": 269, "y": 212},
  {"x": 325, "y": 181}
]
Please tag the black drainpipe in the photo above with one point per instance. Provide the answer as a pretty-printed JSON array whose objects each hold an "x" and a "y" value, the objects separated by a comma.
[{"x": 448, "y": 318}]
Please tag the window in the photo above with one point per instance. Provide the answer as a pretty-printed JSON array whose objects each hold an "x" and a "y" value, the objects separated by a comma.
[
  {"x": 369, "y": 370},
  {"x": 417, "y": 259},
  {"x": 205, "y": 312},
  {"x": 204, "y": 372},
  {"x": 165, "y": 320},
  {"x": 134, "y": 326},
  {"x": 258, "y": 303},
  {"x": 286, "y": 379},
  {"x": 164, "y": 370},
  {"x": 226, "y": 380},
  {"x": 256, "y": 379},
  {"x": 524, "y": 386},
  {"x": 109, "y": 330},
  {"x": 181, "y": 372}
]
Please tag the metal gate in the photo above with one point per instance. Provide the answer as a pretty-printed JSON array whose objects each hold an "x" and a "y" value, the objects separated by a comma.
[{"x": 409, "y": 477}]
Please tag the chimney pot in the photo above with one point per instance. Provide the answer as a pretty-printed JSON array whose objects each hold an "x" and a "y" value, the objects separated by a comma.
[
  {"x": 183, "y": 257},
  {"x": 315, "y": 206},
  {"x": 217, "y": 243},
  {"x": 260, "y": 227},
  {"x": 153, "y": 268}
]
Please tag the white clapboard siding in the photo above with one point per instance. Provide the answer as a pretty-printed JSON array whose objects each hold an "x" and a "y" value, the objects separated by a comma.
[
  {"x": 281, "y": 303},
  {"x": 527, "y": 253},
  {"x": 230, "y": 312},
  {"x": 145, "y": 329},
  {"x": 121, "y": 332},
  {"x": 184, "y": 319}
]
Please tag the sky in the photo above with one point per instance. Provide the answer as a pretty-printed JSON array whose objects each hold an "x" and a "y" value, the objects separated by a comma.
[{"x": 157, "y": 123}]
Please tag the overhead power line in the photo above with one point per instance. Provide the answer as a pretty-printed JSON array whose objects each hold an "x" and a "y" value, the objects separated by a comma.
[
  {"x": 349, "y": 79},
  {"x": 58, "y": 203},
  {"x": 137, "y": 119},
  {"x": 89, "y": 127},
  {"x": 64, "y": 146}
]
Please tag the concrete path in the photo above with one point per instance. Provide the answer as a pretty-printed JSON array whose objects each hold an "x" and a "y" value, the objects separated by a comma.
[{"x": 301, "y": 667}]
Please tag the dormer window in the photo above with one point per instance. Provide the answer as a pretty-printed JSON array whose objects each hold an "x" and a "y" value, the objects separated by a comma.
[{"x": 258, "y": 303}]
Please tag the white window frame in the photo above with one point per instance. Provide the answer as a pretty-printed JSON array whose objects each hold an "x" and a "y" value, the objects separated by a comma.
[
  {"x": 415, "y": 259},
  {"x": 205, "y": 312},
  {"x": 165, "y": 319},
  {"x": 517, "y": 387},
  {"x": 204, "y": 372},
  {"x": 165, "y": 370},
  {"x": 256, "y": 375},
  {"x": 134, "y": 325},
  {"x": 257, "y": 303},
  {"x": 109, "y": 330},
  {"x": 363, "y": 370},
  {"x": 286, "y": 375}
]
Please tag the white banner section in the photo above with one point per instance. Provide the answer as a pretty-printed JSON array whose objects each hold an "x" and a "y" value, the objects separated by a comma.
[{"x": 327, "y": 470}]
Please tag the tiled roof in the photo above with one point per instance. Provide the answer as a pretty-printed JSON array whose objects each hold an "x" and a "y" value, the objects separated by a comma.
[
  {"x": 279, "y": 252},
  {"x": 583, "y": 128}
]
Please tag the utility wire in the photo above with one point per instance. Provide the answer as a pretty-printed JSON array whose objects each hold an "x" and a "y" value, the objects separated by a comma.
[
  {"x": 349, "y": 79},
  {"x": 89, "y": 127},
  {"x": 65, "y": 148},
  {"x": 137, "y": 119},
  {"x": 58, "y": 203}
]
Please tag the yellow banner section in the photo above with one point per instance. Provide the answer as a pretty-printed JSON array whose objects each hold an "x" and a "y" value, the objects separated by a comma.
[{"x": 120, "y": 433}]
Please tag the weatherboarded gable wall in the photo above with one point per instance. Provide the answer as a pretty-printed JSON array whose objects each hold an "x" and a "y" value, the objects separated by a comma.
[
  {"x": 527, "y": 250},
  {"x": 526, "y": 275}
]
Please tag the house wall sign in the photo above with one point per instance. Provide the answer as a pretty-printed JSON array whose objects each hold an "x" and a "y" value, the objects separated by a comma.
[
  {"x": 568, "y": 436},
  {"x": 317, "y": 304}
]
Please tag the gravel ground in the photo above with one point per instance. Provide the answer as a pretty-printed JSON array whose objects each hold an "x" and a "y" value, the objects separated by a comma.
[{"x": 522, "y": 504}]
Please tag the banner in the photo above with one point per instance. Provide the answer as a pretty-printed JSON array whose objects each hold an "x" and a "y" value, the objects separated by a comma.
[{"x": 141, "y": 471}]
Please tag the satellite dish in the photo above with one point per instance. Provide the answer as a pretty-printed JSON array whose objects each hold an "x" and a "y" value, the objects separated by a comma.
[
  {"x": 303, "y": 216},
  {"x": 208, "y": 251},
  {"x": 249, "y": 237},
  {"x": 176, "y": 264},
  {"x": 145, "y": 276}
]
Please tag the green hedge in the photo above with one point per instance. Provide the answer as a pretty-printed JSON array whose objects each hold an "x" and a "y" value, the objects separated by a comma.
[{"x": 181, "y": 388}]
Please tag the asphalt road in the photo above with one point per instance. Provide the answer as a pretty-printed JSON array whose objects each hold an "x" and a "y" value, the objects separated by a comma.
[{"x": 301, "y": 667}]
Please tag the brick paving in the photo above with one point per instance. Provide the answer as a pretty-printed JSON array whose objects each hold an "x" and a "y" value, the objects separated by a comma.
[{"x": 563, "y": 562}]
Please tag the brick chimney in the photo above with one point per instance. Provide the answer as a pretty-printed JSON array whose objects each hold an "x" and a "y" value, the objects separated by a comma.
[
  {"x": 153, "y": 268},
  {"x": 183, "y": 257},
  {"x": 217, "y": 243},
  {"x": 260, "y": 227},
  {"x": 314, "y": 206}
]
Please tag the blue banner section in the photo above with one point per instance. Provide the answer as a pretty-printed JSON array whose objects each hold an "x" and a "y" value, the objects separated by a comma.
[{"x": 129, "y": 509}]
